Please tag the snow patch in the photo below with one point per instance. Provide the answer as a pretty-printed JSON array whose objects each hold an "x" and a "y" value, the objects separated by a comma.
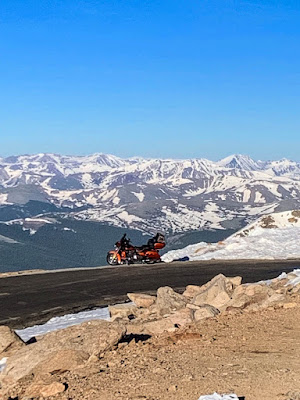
[
  {"x": 65, "y": 321},
  {"x": 3, "y": 198},
  {"x": 116, "y": 200},
  {"x": 217, "y": 396},
  {"x": 69, "y": 229},
  {"x": 259, "y": 198},
  {"x": 3, "y": 363},
  {"x": 140, "y": 196},
  {"x": 276, "y": 236},
  {"x": 128, "y": 217}
]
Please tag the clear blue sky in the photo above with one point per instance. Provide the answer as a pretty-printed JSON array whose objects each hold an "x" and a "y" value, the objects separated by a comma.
[{"x": 152, "y": 78}]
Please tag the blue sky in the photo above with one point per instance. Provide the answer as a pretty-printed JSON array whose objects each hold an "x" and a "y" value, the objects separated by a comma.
[{"x": 152, "y": 78}]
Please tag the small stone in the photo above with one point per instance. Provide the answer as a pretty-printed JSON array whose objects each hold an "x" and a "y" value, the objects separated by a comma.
[
  {"x": 289, "y": 305},
  {"x": 173, "y": 389}
]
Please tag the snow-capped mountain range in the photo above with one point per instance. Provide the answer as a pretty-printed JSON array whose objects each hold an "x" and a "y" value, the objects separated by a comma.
[{"x": 154, "y": 194}]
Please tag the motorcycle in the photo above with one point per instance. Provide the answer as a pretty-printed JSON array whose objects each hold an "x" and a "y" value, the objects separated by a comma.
[{"x": 126, "y": 253}]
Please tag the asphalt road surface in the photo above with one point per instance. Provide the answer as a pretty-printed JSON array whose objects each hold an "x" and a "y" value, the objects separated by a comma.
[{"x": 33, "y": 299}]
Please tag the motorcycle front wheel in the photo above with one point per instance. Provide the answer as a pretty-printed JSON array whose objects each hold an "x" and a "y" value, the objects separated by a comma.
[{"x": 112, "y": 259}]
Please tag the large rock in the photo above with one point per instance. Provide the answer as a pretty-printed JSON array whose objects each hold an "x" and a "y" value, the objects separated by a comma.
[
  {"x": 40, "y": 389},
  {"x": 142, "y": 300},
  {"x": 158, "y": 327},
  {"x": 275, "y": 298},
  {"x": 246, "y": 295},
  {"x": 235, "y": 280},
  {"x": 122, "y": 310},
  {"x": 204, "y": 312},
  {"x": 9, "y": 342},
  {"x": 77, "y": 343},
  {"x": 61, "y": 361},
  {"x": 216, "y": 292},
  {"x": 181, "y": 317},
  {"x": 191, "y": 291},
  {"x": 169, "y": 301}
]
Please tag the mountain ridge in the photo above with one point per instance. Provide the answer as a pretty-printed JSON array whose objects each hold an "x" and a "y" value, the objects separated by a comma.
[{"x": 152, "y": 194}]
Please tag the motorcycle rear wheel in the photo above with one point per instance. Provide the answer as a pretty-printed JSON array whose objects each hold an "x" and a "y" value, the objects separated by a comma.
[{"x": 148, "y": 261}]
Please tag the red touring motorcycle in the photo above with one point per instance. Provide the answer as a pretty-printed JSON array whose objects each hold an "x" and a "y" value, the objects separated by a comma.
[{"x": 126, "y": 253}]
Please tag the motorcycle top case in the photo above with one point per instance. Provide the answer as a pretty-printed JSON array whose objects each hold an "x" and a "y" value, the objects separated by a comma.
[{"x": 159, "y": 246}]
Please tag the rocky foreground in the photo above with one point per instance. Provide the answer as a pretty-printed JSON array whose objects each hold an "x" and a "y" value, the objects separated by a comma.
[{"x": 223, "y": 336}]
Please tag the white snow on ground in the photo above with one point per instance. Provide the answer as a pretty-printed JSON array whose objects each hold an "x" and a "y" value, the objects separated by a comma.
[
  {"x": 3, "y": 363},
  {"x": 63, "y": 322},
  {"x": 260, "y": 244},
  {"x": 140, "y": 196},
  {"x": 276, "y": 236},
  {"x": 217, "y": 396},
  {"x": 3, "y": 198},
  {"x": 128, "y": 217},
  {"x": 293, "y": 278}
]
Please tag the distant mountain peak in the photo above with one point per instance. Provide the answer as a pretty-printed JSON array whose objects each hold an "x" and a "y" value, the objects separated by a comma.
[{"x": 240, "y": 161}]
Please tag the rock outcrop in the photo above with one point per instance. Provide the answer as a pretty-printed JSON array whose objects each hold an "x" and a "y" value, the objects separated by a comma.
[
  {"x": 122, "y": 310},
  {"x": 9, "y": 342},
  {"x": 169, "y": 301},
  {"x": 44, "y": 390},
  {"x": 63, "y": 350},
  {"x": 205, "y": 311},
  {"x": 216, "y": 292},
  {"x": 141, "y": 300}
]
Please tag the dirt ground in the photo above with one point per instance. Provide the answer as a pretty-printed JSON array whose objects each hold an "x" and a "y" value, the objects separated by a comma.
[{"x": 255, "y": 355}]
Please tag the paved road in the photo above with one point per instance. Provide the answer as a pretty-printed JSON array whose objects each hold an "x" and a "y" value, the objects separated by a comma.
[{"x": 30, "y": 299}]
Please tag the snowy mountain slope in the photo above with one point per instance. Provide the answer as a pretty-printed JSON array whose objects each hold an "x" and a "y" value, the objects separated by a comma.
[
  {"x": 276, "y": 236},
  {"x": 150, "y": 194}
]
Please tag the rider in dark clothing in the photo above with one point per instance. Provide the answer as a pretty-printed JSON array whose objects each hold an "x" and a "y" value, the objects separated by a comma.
[{"x": 124, "y": 242}]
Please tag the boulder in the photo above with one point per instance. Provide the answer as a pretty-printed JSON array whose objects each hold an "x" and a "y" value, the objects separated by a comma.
[
  {"x": 191, "y": 291},
  {"x": 61, "y": 361},
  {"x": 156, "y": 327},
  {"x": 122, "y": 310},
  {"x": 275, "y": 298},
  {"x": 255, "y": 289},
  {"x": 215, "y": 293},
  {"x": 246, "y": 295},
  {"x": 41, "y": 389},
  {"x": 142, "y": 300},
  {"x": 181, "y": 317},
  {"x": 205, "y": 311},
  {"x": 76, "y": 342},
  {"x": 235, "y": 280},
  {"x": 278, "y": 283},
  {"x": 9, "y": 341},
  {"x": 169, "y": 301}
]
